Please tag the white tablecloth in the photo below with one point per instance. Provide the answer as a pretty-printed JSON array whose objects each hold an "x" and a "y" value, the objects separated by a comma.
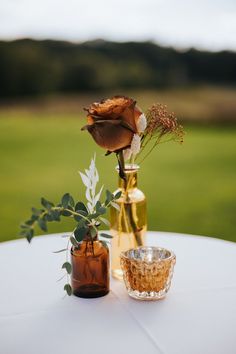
[{"x": 197, "y": 316}]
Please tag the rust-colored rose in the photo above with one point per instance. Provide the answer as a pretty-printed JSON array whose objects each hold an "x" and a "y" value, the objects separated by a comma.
[{"x": 113, "y": 122}]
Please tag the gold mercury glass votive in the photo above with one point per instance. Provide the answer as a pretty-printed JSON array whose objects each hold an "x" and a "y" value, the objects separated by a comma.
[{"x": 147, "y": 272}]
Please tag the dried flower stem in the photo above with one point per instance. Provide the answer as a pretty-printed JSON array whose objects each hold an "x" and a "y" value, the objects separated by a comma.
[{"x": 160, "y": 123}]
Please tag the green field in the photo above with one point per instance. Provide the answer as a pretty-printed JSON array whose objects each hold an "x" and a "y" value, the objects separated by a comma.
[{"x": 190, "y": 188}]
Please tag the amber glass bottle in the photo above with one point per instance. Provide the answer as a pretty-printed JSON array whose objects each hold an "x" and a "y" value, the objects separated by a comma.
[
  {"x": 90, "y": 268},
  {"x": 129, "y": 225}
]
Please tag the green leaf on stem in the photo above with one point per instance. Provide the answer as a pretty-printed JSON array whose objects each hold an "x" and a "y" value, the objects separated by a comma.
[
  {"x": 80, "y": 232},
  {"x": 109, "y": 197},
  {"x": 34, "y": 217},
  {"x": 81, "y": 207},
  {"x": 98, "y": 205},
  {"x": 93, "y": 232},
  {"x": 93, "y": 216},
  {"x": 42, "y": 224},
  {"x": 104, "y": 243},
  {"x": 117, "y": 195},
  {"x": 65, "y": 200},
  {"x": 55, "y": 215},
  {"x": 29, "y": 222},
  {"x": 48, "y": 217},
  {"x": 102, "y": 210},
  {"x": 63, "y": 250},
  {"x": 66, "y": 212},
  {"x": 73, "y": 241},
  {"x": 105, "y": 235},
  {"x": 46, "y": 204},
  {"x": 80, "y": 217},
  {"x": 67, "y": 266},
  {"x": 36, "y": 212},
  {"x": 29, "y": 234},
  {"x": 82, "y": 223},
  {"x": 68, "y": 289},
  {"x": 105, "y": 221},
  {"x": 71, "y": 202}
]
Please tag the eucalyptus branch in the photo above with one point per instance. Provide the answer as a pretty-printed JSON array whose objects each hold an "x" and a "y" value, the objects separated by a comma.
[
  {"x": 87, "y": 217},
  {"x": 86, "y": 222}
]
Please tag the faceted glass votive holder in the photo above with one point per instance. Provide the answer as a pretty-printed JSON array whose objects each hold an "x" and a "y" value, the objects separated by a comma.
[{"x": 147, "y": 272}]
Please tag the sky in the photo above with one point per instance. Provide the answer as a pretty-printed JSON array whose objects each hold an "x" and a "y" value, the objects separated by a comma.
[{"x": 203, "y": 24}]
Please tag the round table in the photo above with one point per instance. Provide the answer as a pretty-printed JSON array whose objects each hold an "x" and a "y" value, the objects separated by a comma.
[{"x": 198, "y": 314}]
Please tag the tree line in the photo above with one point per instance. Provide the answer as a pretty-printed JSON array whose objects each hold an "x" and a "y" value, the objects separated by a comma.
[{"x": 30, "y": 67}]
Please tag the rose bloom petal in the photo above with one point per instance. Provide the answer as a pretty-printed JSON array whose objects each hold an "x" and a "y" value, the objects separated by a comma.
[
  {"x": 110, "y": 108},
  {"x": 122, "y": 116},
  {"x": 109, "y": 136}
]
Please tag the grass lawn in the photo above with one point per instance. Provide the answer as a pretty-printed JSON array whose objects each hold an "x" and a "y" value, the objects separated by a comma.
[{"x": 190, "y": 188}]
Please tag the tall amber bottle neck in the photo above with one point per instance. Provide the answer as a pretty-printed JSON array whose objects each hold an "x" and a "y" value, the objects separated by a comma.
[{"x": 131, "y": 174}]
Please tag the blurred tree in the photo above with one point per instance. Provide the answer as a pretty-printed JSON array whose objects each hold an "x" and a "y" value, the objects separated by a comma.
[{"x": 29, "y": 67}]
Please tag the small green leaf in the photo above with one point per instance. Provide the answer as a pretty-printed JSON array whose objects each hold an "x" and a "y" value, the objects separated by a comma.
[
  {"x": 98, "y": 205},
  {"x": 81, "y": 207},
  {"x": 36, "y": 211},
  {"x": 80, "y": 233},
  {"x": 63, "y": 250},
  {"x": 109, "y": 197},
  {"x": 71, "y": 202},
  {"x": 34, "y": 217},
  {"x": 67, "y": 266},
  {"x": 104, "y": 243},
  {"x": 68, "y": 289},
  {"x": 29, "y": 222},
  {"x": 55, "y": 215},
  {"x": 46, "y": 204},
  {"x": 79, "y": 217},
  {"x": 73, "y": 241},
  {"x": 66, "y": 212},
  {"x": 102, "y": 210},
  {"x": 117, "y": 195},
  {"x": 105, "y": 221},
  {"x": 93, "y": 216},
  {"x": 105, "y": 235},
  {"x": 82, "y": 223},
  {"x": 42, "y": 224},
  {"x": 65, "y": 200},
  {"x": 29, "y": 234},
  {"x": 93, "y": 232},
  {"x": 48, "y": 217}
]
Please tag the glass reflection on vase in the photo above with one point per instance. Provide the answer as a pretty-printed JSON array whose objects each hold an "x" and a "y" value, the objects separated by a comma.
[{"x": 129, "y": 225}]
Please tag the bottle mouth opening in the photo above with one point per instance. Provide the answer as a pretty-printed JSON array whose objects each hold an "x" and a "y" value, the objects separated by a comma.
[{"x": 129, "y": 167}]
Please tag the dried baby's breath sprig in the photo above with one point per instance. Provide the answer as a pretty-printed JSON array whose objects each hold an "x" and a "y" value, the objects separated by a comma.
[{"x": 160, "y": 124}]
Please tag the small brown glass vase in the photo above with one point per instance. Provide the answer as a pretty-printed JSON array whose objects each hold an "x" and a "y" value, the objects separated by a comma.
[{"x": 90, "y": 276}]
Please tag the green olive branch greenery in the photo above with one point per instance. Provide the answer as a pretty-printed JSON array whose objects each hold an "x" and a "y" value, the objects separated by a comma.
[{"x": 88, "y": 218}]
